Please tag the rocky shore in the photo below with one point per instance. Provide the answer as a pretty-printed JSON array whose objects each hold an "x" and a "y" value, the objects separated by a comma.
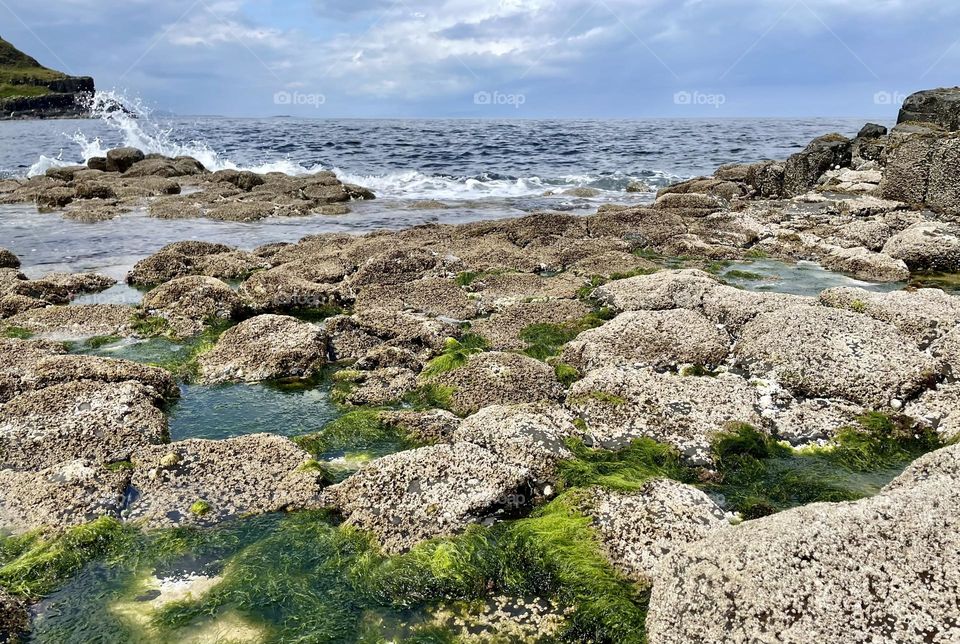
[{"x": 713, "y": 447}]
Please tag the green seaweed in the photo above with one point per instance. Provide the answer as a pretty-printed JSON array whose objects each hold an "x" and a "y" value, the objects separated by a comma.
[
  {"x": 150, "y": 326},
  {"x": 545, "y": 340},
  {"x": 599, "y": 396},
  {"x": 880, "y": 441},
  {"x": 466, "y": 278},
  {"x": 627, "y": 469},
  {"x": 360, "y": 430},
  {"x": 455, "y": 354},
  {"x": 36, "y": 565},
  {"x": 759, "y": 476},
  {"x": 200, "y": 508},
  {"x": 430, "y": 395},
  {"x": 17, "y": 333},
  {"x": 566, "y": 374},
  {"x": 101, "y": 341},
  {"x": 743, "y": 275}
]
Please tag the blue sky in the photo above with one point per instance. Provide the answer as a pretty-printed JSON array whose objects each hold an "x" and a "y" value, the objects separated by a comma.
[{"x": 500, "y": 58}]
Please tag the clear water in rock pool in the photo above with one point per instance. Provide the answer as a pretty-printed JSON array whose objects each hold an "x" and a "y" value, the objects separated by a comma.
[
  {"x": 798, "y": 278},
  {"x": 289, "y": 408},
  {"x": 261, "y": 579},
  {"x": 223, "y": 411}
]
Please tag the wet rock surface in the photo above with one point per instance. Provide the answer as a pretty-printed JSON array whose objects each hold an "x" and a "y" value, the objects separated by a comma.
[{"x": 203, "y": 481}]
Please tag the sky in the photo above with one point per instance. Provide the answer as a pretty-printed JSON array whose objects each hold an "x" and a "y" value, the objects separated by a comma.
[{"x": 500, "y": 58}]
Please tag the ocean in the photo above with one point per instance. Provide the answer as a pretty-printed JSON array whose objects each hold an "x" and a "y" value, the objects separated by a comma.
[{"x": 429, "y": 170}]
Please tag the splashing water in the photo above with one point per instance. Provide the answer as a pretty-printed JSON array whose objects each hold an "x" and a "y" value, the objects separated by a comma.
[{"x": 132, "y": 120}]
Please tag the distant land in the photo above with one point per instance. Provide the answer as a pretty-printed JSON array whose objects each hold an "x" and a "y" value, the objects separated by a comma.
[{"x": 28, "y": 90}]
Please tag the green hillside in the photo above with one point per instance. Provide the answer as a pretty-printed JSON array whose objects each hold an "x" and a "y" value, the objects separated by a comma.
[{"x": 22, "y": 75}]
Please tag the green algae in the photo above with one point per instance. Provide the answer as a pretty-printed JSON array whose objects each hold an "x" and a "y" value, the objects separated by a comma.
[
  {"x": 356, "y": 431},
  {"x": 758, "y": 476},
  {"x": 17, "y": 333},
  {"x": 626, "y": 470},
  {"x": 545, "y": 340},
  {"x": 566, "y": 374},
  {"x": 455, "y": 354},
  {"x": 33, "y": 565},
  {"x": 430, "y": 395}
]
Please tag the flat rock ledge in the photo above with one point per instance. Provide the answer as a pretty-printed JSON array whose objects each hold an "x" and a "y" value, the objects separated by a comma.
[
  {"x": 882, "y": 569},
  {"x": 201, "y": 482},
  {"x": 639, "y": 529}
]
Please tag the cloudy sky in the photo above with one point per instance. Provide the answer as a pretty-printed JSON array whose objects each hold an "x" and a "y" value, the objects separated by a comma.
[{"x": 500, "y": 58}]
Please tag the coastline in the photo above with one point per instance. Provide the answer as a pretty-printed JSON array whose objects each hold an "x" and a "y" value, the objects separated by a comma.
[{"x": 585, "y": 374}]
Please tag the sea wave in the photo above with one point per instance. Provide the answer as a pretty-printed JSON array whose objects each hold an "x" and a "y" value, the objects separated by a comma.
[
  {"x": 134, "y": 125},
  {"x": 133, "y": 121}
]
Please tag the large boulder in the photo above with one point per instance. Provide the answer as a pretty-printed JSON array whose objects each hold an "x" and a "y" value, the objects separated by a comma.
[
  {"x": 530, "y": 436},
  {"x": 940, "y": 107},
  {"x": 907, "y": 173},
  {"x": 495, "y": 378},
  {"x": 883, "y": 569},
  {"x": 266, "y": 347},
  {"x": 649, "y": 338},
  {"x": 101, "y": 422},
  {"x": 190, "y": 304},
  {"x": 927, "y": 246},
  {"x": 639, "y": 529},
  {"x": 122, "y": 159},
  {"x": 943, "y": 188},
  {"x": 205, "y": 481},
  {"x": 622, "y": 404},
  {"x": 823, "y": 352},
  {"x": 803, "y": 170},
  {"x": 419, "y": 494}
]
